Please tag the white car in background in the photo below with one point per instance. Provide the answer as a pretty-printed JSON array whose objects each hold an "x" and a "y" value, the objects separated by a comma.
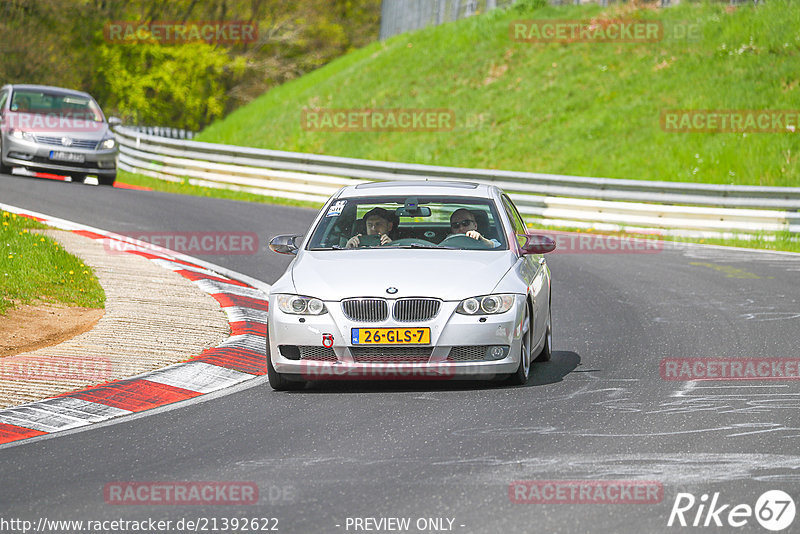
[{"x": 431, "y": 303}]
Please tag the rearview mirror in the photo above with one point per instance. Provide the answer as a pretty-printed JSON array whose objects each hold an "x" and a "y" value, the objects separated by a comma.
[
  {"x": 284, "y": 244},
  {"x": 419, "y": 211},
  {"x": 538, "y": 244}
]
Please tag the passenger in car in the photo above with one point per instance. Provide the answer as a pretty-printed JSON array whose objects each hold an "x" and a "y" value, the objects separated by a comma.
[
  {"x": 462, "y": 221},
  {"x": 379, "y": 222}
]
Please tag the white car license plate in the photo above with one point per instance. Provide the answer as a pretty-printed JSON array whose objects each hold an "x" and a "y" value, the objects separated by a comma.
[
  {"x": 391, "y": 336},
  {"x": 56, "y": 155}
]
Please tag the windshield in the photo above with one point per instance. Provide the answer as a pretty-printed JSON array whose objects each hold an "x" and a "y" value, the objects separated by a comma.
[
  {"x": 56, "y": 104},
  {"x": 409, "y": 222}
]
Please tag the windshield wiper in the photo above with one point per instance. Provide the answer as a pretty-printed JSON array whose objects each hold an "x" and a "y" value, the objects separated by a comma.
[{"x": 415, "y": 245}]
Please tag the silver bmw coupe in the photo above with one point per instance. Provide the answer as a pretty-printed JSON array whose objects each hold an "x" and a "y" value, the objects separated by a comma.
[{"x": 411, "y": 280}]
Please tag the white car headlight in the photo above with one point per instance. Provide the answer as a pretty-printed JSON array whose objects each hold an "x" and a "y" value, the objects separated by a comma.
[
  {"x": 299, "y": 305},
  {"x": 109, "y": 143},
  {"x": 19, "y": 134},
  {"x": 485, "y": 305}
]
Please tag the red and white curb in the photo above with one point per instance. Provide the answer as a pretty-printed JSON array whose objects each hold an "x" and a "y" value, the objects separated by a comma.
[{"x": 239, "y": 358}]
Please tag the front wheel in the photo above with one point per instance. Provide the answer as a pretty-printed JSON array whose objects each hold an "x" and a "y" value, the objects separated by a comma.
[
  {"x": 520, "y": 377},
  {"x": 4, "y": 169},
  {"x": 108, "y": 179},
  {"x": 547, "y": 350}
]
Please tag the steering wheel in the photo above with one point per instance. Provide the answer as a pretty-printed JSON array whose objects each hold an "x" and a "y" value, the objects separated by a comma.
[
  {"x": 369, "y": 240},
  {"x": 462, "y": 241}
]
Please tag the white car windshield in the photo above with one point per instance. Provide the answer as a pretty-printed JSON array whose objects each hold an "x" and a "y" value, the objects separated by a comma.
[{"x": 423, "y": 222}]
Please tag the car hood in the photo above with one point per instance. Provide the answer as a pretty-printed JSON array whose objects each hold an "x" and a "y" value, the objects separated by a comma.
[{"x": 444, "y": 274}]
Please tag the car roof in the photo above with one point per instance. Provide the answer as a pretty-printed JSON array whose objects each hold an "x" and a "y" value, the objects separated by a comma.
[
  {"x": 419, "y": 187},
  {"x": 50, "y": 88}
]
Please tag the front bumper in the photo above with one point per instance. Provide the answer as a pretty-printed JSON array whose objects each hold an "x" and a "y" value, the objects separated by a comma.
[
  {"x": 34, "y": 155},
  {"x": 462, "y": 347}
]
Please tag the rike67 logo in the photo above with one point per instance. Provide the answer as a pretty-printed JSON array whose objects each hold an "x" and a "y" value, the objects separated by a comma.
[{"x": 774, "y": 510}]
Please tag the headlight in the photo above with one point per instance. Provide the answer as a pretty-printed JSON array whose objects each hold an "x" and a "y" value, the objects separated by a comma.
[
  {"x": 297, "y": 305},
  {"x": 109, "y": 143},
  {"x": 19, "y": 134},
  {"x": 485, "y": 305}
]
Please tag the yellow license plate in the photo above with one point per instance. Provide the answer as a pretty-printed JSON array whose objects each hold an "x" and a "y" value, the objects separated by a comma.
[{"x": 391, "y": 336}]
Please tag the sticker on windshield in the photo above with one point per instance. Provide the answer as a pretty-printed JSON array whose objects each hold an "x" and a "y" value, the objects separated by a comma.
[{"x": 336, "y": 208}]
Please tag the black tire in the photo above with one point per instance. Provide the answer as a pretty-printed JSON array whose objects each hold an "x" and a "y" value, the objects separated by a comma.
[
  {"x": 547, "y": 351},
  {"x": 523, "y": 373},
  {"x": 4, "y": 169},
  {"x": 279, "y": 381},
  {"x": 107, "y": 179}
]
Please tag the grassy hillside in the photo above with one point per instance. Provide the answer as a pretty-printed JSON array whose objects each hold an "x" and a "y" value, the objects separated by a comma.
[{"x": 589, "y": 109}]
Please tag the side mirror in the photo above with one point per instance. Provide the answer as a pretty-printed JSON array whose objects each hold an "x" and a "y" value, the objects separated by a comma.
[
  {"x": 114, "y": 121},
  {"x": 538, "y": 244},
  {"x": 284, "y": 244}
]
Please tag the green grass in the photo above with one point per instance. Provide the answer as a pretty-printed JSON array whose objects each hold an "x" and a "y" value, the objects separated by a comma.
[
  {"x": 184, "y": 188},
  {"x": 36, "y": 268},
  {"x": 589, "y": 109},
  {"x": 765, "y": 241}
]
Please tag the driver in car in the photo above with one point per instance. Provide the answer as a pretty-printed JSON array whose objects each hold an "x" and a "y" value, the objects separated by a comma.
[
  {"x": 379, "y": 222},
  {"x": 462, "y": 221}
]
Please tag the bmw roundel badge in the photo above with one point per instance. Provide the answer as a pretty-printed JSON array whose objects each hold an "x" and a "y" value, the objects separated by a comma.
[{"x": 391, "y": 290}]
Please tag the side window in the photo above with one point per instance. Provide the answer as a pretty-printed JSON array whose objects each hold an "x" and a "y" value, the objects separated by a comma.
[
  {"x": 3, "y": 98},
  {"x": 519, "y": 225}
]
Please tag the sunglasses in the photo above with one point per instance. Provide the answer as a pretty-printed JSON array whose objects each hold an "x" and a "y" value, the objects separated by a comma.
[{"x": 459, "y": 224}]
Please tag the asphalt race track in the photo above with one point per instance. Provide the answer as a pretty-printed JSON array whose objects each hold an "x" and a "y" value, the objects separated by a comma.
[{"x": 599, "y": 410}]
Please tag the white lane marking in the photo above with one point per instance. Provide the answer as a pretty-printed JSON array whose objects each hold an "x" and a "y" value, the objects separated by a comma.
[
  {"x": 83, "y": 409},
  {"x": 686, "y": 389},
  {"x": 175, "y": 266},
  {"x": 198, "y": 376},
  {"x": 244, "y": 341},
  {"x": 237, "y": 314},
  {"x": 212, "y": 287},
  {"x": 42, "y": 418},
  {"x": 259, "y": 381},
  {"x": 746, "y": 386},
  {"x": 769, "y": 316},
  {"x": 715, "y": 395}
]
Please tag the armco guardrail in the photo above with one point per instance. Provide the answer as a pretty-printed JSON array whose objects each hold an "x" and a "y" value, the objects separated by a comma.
[{"x": 676, "y": 207}]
